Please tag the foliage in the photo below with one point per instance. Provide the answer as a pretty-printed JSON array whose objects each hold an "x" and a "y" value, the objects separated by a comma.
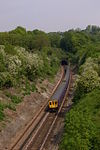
[
  {"x": 15, "y": 99},
  {"x": 8, "y": 105},
  {"x": 88, "y": 80},
  {"x": 82, "y": 126},
  {"x": 81, "y": 44},
  {"x": 1, "y": 112},
  {"x": 93, "y": 29},
  {"x": 2, "y": 59},
  {"x": 28, "y": 39},
  {"x": 55, "y": 39},
  {"x": 24, "y": 64},
  {"x": 9, "y": 49},
  {"x": 5, "y": 80},
  {"x": 26, "y": 56},
  {"x": 72, "y": 40},
  {"x": 18, "y": 30},
  {"x": 11, "y": 106}
]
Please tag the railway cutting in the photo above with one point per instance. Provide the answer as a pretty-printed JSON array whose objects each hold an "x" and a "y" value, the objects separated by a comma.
[{"x": 38, "y": 131}]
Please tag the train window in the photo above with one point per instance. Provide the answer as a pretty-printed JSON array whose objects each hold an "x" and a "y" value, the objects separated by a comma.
[
  {"x": 55, "y": 103},
  {"x": 50, "y": 103}
]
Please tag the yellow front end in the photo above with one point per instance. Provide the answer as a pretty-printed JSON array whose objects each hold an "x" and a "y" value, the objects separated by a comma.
[{"x": 53, "y": 104}]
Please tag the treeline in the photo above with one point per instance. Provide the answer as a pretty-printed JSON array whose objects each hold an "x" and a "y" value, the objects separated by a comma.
[
  {"x": 41, "y": 51},
  {"x": 25, "y": 57},
  {"x": 72, "y": 41},
  {"x": 30, "y": 40},
  {"x": 82, "y": 123},
  {"x": 80, "y": 44},
  {"x": 27, "y": 39}
]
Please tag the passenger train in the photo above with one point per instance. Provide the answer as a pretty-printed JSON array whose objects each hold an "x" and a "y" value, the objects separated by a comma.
[{"x": 57, "y": 97}]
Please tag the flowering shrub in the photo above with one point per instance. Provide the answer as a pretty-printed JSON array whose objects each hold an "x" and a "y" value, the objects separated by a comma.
[
  {"x": 89, "y": 64},
  {"x": 88, "y": 79},
  {"x": 14, "y": 65},
  {"x": 2, "y": 59},
  {"x": 17, "y": 64}
]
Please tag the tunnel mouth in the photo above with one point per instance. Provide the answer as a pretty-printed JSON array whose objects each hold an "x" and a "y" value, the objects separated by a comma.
[{"x": 64, "y": 62}]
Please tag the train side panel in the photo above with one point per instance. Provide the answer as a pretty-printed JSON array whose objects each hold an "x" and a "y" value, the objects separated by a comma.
[{"x": 60, "y": 91}]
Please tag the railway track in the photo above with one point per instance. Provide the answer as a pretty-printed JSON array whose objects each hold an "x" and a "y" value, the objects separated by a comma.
[
  {"x": 53, "y": 138},
  {"x": 37, "y": 132},
  {"x": 38, "y": 140},
  {"x": 61, "y": 109},
  {"x": 34, "y": 123}
]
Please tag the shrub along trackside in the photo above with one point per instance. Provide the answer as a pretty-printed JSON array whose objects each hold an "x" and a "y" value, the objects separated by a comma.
[
  {"x": 82, "y": 123},
  {"x": 25, "y": 56},
  {"x": 21, "y": 69}
]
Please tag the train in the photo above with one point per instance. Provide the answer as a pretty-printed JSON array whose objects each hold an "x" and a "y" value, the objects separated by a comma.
[{"x": 56, "y": 99}]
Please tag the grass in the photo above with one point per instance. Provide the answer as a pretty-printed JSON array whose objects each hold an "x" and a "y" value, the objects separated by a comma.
[
  {"x": 29, "y": 88},
  {"x": 14, "y": 99},
  {"x": 11, "y": 106},
  {"x": 1, "y": 111}
]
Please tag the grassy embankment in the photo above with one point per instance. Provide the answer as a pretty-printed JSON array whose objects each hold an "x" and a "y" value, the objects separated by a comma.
[
  {"x": 20, "y": 68},
  {"x": 82, "y": 123}
]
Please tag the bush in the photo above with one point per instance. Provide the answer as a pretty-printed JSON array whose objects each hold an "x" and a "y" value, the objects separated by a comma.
[
  {"x": 9, "y": 49},
  {"x": 11, "y": 106},
  {"x": 88, "y": 79},
  {"x": 33, "y": 88},
  {"x": 15, "y": 99},
  {"x": 82, "y": 124},
  {"x": 5, "y": 80},
  {"x": 1, "y": 112}
]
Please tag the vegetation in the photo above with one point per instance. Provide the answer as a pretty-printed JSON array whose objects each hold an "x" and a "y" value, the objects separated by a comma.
[
  {"x": 26, "y": 56},
  {"x": 1, "y": 111},
  {"x": 82, "y": 123},
  {"x": 88, "y": 79}
]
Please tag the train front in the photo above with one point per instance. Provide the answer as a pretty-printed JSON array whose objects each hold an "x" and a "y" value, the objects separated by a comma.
[{"x": 53, "y": 105}]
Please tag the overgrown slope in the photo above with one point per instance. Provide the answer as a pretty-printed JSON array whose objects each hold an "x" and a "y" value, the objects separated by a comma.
[
  {"x": 82, "y": 123},
  {"x": 25, "y": 57}
]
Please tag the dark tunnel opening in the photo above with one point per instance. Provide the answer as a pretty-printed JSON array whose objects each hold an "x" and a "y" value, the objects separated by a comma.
[{"x": 64, "y": 62}]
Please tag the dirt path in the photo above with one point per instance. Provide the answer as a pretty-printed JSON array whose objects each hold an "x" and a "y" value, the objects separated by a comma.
[{"x": 16, "y": 121}]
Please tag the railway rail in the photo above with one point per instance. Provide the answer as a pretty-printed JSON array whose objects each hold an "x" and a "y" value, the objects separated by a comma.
[
  {"x": 39, "y": 129},
  {"x": 34, "y": 123}
]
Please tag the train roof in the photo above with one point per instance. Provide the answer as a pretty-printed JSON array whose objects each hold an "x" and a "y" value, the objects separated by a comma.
[
  {"x": 58, "y": 92},
  {"x": 61, "y": 87}
]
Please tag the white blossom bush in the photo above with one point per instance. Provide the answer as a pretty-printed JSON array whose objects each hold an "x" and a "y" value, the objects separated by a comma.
[
  {"x": 14, "y": 65},
  {"x": 2, "y": 51},
  {"x": 89, "y": 64},
  {"x": 31, "y": 62},
  {"x": 88, "y": 79},
  {"x": 2, "y": 59},
  {"x": 22, "y": 64},
  {"x": 29, "y": 58}
]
